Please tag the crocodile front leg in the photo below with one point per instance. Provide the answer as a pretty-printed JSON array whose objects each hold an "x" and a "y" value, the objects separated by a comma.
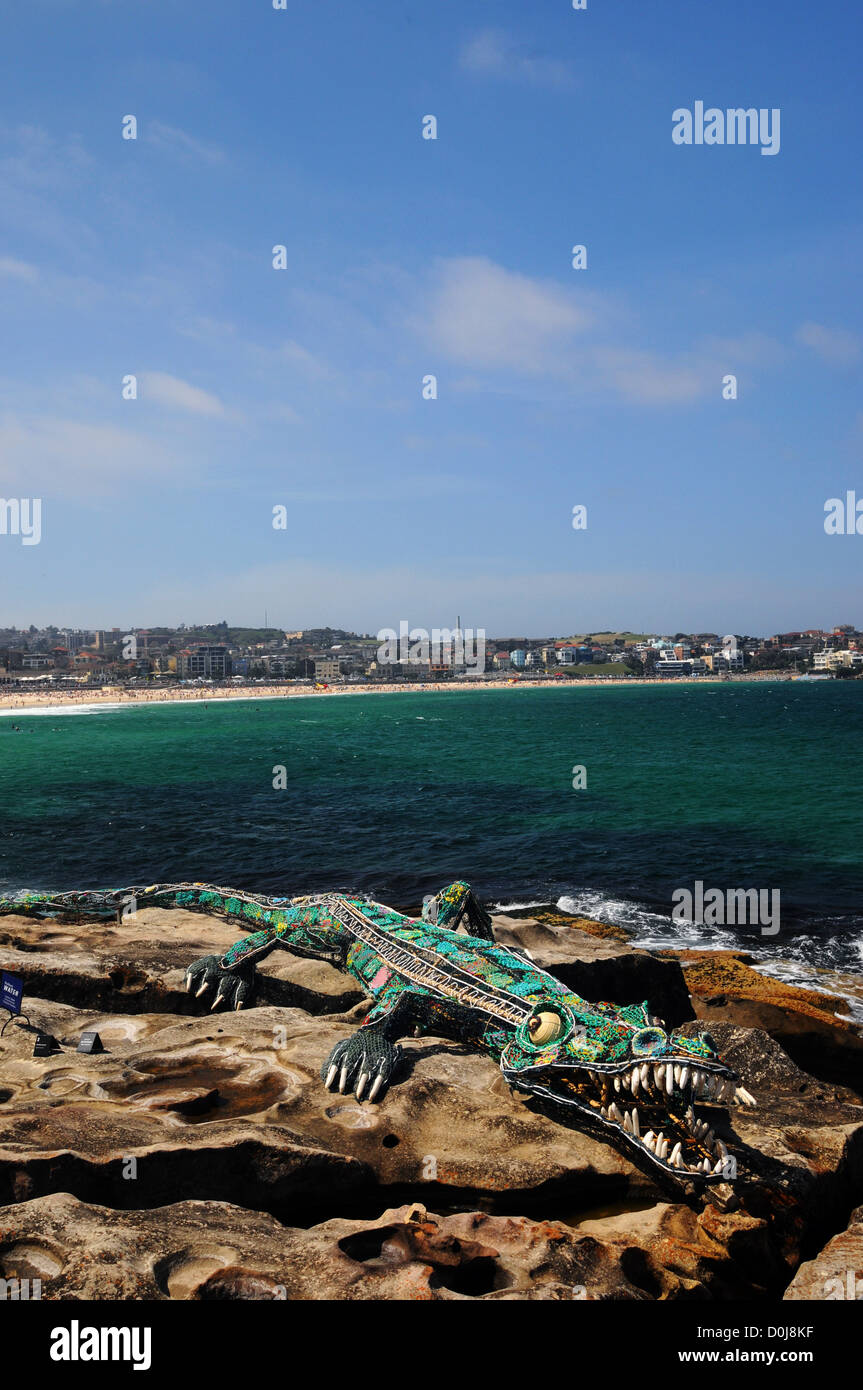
[{"x": 367, "y": 1062}]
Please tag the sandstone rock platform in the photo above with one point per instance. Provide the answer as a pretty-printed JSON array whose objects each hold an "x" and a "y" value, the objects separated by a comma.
[{"x": 199, "y": 1156}]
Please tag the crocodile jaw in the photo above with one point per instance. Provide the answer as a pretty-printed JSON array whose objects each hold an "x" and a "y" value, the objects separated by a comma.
[{"x": 640, "y": 1104}]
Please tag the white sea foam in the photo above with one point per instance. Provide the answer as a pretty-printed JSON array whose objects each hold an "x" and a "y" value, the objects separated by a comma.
[
  {"x": 31, "y": 710},
  {"x": 653, "y": 931}
]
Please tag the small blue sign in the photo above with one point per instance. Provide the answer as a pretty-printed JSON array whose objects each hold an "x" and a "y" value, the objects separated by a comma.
[{"x": 11, "y": 992}]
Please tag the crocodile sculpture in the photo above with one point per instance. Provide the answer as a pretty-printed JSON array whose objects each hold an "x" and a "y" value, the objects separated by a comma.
[{"x": 613, "y": 1067}]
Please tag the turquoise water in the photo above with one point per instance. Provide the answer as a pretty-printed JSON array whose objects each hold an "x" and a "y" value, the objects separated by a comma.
[{"x": 737, "y": 785}]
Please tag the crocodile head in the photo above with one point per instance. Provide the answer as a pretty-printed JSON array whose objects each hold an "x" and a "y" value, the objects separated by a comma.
[{"x": 642, "y": 1086}]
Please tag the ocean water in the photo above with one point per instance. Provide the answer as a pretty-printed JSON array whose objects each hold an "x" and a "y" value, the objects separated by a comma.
[{"x": 735, "y": 785}]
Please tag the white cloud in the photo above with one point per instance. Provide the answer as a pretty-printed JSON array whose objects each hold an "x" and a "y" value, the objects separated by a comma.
[
  {"x": 180, "y": 142},
  {"x": 750, "y": 349},
  {"x": 18, "y": 270},
  {"x": 490, "y": 319},
  {"x": 493, "y": 53},
  {"x": 648, "y": 379},
  {"x": 298, "y": 356},
  {"x": 486, "y": 316},
  {"x": 204, "y": 329},
  {"x": 176, "y": 394},
  {"x": 44, "y": 456},
  {"x": 835, "y": 345}
]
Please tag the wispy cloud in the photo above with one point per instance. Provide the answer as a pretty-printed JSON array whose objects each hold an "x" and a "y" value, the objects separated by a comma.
[
  {"x": 494, "y": 53},
  {"x": 78, "y": 458},
  {"x": 648, "y": 378},
  {"x": 181, "y": 143},
  {"x": 204, "y": 328},
  {"x": 176, "y": 394},
  {"x": 488, "y": 318},
  {"x": 18, "y": 270},
  {"x": 834, "y": 345},
  {"x": 299, "y": 356}
]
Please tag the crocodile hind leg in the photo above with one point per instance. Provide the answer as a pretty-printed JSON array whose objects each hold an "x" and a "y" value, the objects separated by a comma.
[{"x": 305, "y": 930}]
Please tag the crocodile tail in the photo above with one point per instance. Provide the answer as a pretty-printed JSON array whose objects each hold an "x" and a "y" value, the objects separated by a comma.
[
  {"x": 86, "y": 903},
  {"x": 108, "y": 902},
  {"x": 255, "y": 908}
]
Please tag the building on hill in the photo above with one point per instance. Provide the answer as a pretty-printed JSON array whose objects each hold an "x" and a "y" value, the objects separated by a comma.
[
  {"x": 205, "y": 663},
  {"x": 327, "y": 668}
]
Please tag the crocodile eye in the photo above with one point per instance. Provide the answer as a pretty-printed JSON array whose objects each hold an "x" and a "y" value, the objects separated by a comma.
[{"x": 544, "y": 1028}]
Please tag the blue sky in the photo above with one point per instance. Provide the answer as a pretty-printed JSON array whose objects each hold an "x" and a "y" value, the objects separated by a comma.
[{"x": 302, "y": 387}]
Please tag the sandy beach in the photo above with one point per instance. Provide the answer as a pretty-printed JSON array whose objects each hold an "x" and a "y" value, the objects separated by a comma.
[{"x": 44, "y": 701}]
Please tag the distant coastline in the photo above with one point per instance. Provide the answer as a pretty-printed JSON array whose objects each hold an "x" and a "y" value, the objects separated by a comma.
[{"x": 23, "y": 702}]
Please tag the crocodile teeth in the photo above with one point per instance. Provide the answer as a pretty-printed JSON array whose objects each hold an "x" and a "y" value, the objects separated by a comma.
[
  {"x": 636, "y": 1128},
  {"x": 659, "y": 1078},
  {"x": 627, "y": 1123},
  {"x": 675, "y": 1155},
  {"x": 614, "y": 1113},
  {"x": 645, "y": 1073},
  {"x": 635, "y": 1081},
  {"x": 745, "y": 1097},
  {"x": 603, "y": 1112},
  {"x": 649, "y": 1140},
  {"x": 684, "y": 1077},
  {"x": 617, "y": 1084},
  {"x": 677, "y": 1073},
  {"x": 718, "y": 1168},
  {"x": 669, "y": 1080}
]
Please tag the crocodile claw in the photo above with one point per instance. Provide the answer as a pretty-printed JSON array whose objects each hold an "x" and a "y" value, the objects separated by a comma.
[
  {"x": 365, "y": 1060},
  {"x": 233, "y": 987}
]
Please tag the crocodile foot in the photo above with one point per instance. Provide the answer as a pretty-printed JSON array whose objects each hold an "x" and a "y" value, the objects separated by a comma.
[
  {"x": 365, "y": 1061},
  {"x": 233, "y": 987}
]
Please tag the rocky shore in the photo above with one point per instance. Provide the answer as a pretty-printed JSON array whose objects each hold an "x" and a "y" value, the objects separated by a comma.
[{"x": 199, "y": 1156}]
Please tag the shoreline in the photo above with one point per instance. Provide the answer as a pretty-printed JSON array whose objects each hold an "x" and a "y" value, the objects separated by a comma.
[{"x": 23, "y": 702}]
